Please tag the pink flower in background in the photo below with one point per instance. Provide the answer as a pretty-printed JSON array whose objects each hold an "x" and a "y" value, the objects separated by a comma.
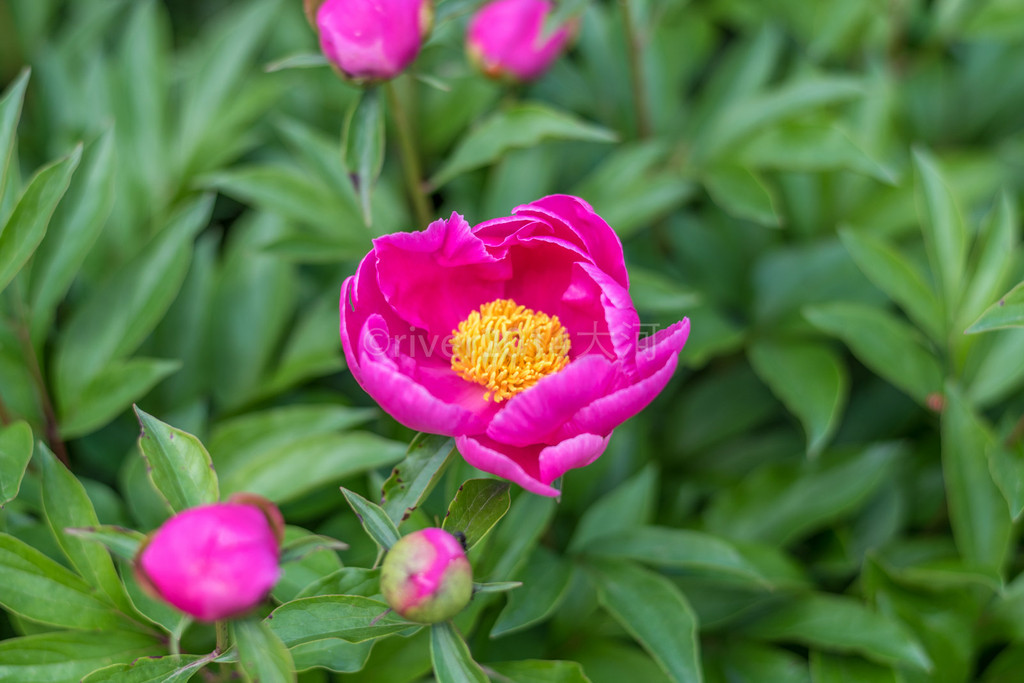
[
  {"x": 426, "y": 576},
  {"x": 215, "y": 561},
  {"x": 506, "y": 38},
  {"x": 371, "y": 40},
  {"x": 517, "y": 336}
]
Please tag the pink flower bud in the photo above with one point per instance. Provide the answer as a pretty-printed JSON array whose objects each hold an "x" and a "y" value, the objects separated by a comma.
[
  {"x": 214, "y": 561},
  {"x": 426, "y": 576},
  {"x": 506, "y": 39},
  {"x": 373, "y": 40}
]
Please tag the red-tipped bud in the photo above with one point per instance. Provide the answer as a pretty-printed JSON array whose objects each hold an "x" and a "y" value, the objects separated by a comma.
[{"x": 426, "y": 576}]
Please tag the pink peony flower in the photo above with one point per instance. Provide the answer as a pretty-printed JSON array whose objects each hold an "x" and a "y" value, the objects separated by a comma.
[
  {"x": 518, "y": 337},
  {"x": 371, "y": 40},
  {"x": 214, "y": 561},
  {"x": 426, "y": 577},
  {"x": 506, "y": 38}
]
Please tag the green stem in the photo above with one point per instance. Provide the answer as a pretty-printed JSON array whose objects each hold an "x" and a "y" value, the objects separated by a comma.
[
  {"x": 640, "y": 101},
  {"x": 410, "y": 158},
  {"x": 223, "y": 637}
]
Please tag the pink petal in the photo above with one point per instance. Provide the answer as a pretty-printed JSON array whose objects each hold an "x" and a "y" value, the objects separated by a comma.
[
  {"x": 653, "y": 350},
  {"x": 578, "y": 451},
  {"x": 390, "y": 379},
  {"x": 534, "y": 415},
  {"x": 435, "y": 278}
]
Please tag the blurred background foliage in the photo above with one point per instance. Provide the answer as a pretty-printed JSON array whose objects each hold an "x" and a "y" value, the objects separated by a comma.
[{"x": 830, "y": 487}]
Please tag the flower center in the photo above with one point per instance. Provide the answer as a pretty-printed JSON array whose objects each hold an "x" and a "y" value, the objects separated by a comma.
[{"x": 508, "y": 348}]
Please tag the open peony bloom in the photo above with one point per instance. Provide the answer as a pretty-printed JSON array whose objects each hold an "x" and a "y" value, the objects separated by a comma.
[
  {"x": 506, "y": 39},
  {"x": 373, "y": 40},
  {"x": 426, "y": 577},
  {"x": 517, "y": 336},
  {"x": 214, "y": 561}
]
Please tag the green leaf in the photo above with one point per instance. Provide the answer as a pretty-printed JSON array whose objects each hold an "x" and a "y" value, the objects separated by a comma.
[
  {"x": 630, "y": 505},
  {"x": 478, "y": 505},
  {"x": 37, "y": 588},
  {"x": 118, "y": 314},
  {"x": 496, "y": 587},
  {"x": 170, "y": 669},
  {"x": 780, "y": 503},
  {"x": 451, "y": 658},
  {"x": 1006, "y": 463},
  {"x": 744, "y": 660},
  {"x": 263, "y": 657},
  {"x": 841, "y": 624},
  {"x": 352, "y": 618},
  {"x": 977, "y": 511},
  {"x": 511, "y": 544},
  {"x": 70, "y": 655},
  {"x": 655, "y": 613},
  {"x": 363, "y": 145},
  {"x": 332, "y": 654},
  {"x": 521, "y": 125},
  {"x": 675, "y": 549},
  {"x": 546, "y": 581},
  {"x": 809, "y": 379},
  {"x": 945, "y": 235},
  {"x": 15, "y": 452},
  {"x": 345, "y": 581},
  {"x": 111, "y": 392},
  {"x": 815, "y": 147},
  {"x": 540, "y": 671},
  {"x": 1007, "y": 312},
  {"x": 286, "y": 474},
  {"x": 303, "y": 60},
  {"x": 66, "y": 504},
  {"x": 10, "y": 114},
  {"x": 742, "y": 192},
  {"x": 992, "y": 260},
  {"x": 300, "y": 548},
  {"x": 28, "y": 222},
  {"x": 415, "y": 477},
  {"x": 120, "y": 541},
  {"x": 884, "y": 343},
  {"x": 73, "y": 232},
  {"x": 832, "y": 668},
  {"x": 898, "y": 277},
  {"x": 179, "y": 466},
  {"x": 374, "y": 520}
]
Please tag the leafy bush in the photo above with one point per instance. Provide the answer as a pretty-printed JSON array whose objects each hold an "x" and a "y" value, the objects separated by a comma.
[{"x": 829, "y": 488}]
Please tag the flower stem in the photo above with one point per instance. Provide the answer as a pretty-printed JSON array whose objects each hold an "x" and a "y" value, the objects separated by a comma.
[
  {"x": 635, "y": 48},
  {"x": 410, "y": 158},
  {"x": 223, "y": 637}
]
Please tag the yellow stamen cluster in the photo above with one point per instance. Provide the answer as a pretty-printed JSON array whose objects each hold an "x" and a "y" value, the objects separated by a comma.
[{"x": 508, "y": 348}]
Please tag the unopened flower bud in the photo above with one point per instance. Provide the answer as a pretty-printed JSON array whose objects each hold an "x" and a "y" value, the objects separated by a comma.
[
  {"x": 214, "y": 561},
  {"x": 507, "y": 39},
  {"x": 426, "y": 576},
  {"x": 373, "y": 40}
]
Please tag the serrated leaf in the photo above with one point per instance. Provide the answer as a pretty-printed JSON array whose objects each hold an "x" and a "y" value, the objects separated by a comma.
[
  {"x": 521, "y": 125},
  {"x": 809, "y": 379},
  {"x": 15, "y": 452},
  {"x": 655, "y": 613},
  {"x": 262, "y": 655},
  {"x": 478, "y": 505},
  {"x": 352, "y": 618},
  {"x": 27, "y": 224},
  {"x": 883, "y": 343},
  {"x": 415, "y": 477},
  {"x": 743, "y": 193},
  {"x": 179, "y": 466},
  {"x": 451, "y": 658},
  {"x": 841, "y": 624},
  {"x": 374, "y": 520}
]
